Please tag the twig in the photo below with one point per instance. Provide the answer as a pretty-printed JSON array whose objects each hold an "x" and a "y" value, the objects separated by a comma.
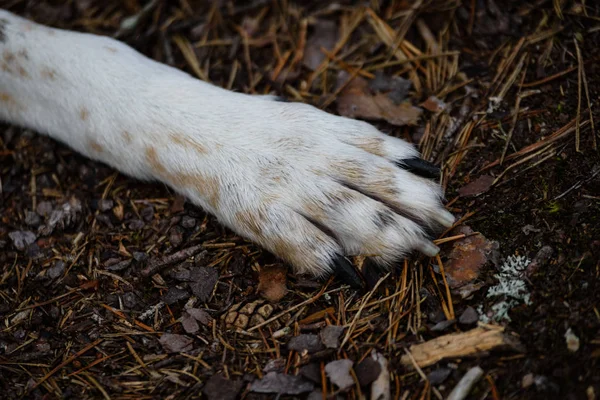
[
  {"x": 462, "y": 389},
  {"x": 156, "y": 265}
]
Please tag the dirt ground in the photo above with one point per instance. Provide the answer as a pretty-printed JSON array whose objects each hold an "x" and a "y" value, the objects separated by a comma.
[{"x": 115, "y": 288}]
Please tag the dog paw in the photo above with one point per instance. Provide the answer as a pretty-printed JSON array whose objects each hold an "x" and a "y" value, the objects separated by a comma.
[{"x": 310, "y": 187}]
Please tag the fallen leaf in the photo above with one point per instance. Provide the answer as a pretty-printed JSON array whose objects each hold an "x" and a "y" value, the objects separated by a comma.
[
  {"x": 307, "y": 342},
  {"x": 175, "y": 294},
  {"x": 274, "y": 382},
  {"x": 468, "y": 256},
  {"x": 173, "y": 343},
  {"x": 221, "y": 388},
  {"x": 272, "y": 283},
  {"x": 433, "y": 104},
  {"x": 199, "y": 315},
  {"x": 357, "y": 101},
  {"x": 338, "y": 372},
  {"x": 189, "y": 323},
  {"x": 330, "y": 336},
  {"x": 325, "y": 35},
  {"x": 203, "y": 282},
  {"x": 477, "y": 187}
]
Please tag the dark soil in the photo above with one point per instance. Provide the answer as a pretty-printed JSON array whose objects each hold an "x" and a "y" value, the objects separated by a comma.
[{"x": 76, "y": 237}]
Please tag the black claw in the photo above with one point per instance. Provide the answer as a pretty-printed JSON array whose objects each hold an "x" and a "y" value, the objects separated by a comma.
[
  {"x": 345, "y": 272},
  {"x": 372, "y": 273},
  {"x": 420, "y": 167}
]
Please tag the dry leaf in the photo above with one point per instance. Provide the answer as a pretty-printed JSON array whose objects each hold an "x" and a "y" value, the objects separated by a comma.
[
  {"x": 358, "y": 101},
  {"x": 272, "y": 283},
  {"x": 468, "y": 256},
  {"x": 477, "y": 187}
]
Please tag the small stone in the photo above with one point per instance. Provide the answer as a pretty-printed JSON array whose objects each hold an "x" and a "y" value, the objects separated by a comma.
[
  {"x": 527, "y": 381},
  {"x": 438, "y": 376},
  {"x": 136, "y": 225},
  {"x": 147, "y": 213},
  {"x": 367, "y": 371},
  {"x": 469, "y": 316},
  {"x": 105, "y": 205},
  {"x": 32, "y": 219},
  {"x": 22, "y": 239},
  {"x": 572, "y": 341},
  {"x": 443, "y": 325},
  {"x": 56, "y": 270},
  {"x": 188, "y": 222}
]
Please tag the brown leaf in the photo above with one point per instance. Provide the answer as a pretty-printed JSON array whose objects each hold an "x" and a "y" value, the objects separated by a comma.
[
  {"x": 468, "y": 256},
  {"x": 274, "y": 382},
  {"x": 204, "y": 281},
  {"x": 272, "y": 283},
  {"x": 477, "y": 187},
  {"x": 200, "y": 315},
  {"x": 433, "y": 104},
  {"x": 189, "y": 323},
  {"x": 173, "y": 343},
  {"x": 357, "y": 101},
  {"x": 219, "y": 387}
]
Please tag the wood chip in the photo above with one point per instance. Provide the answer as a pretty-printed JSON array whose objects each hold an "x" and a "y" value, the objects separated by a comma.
[{"x": 464, "y": 344}]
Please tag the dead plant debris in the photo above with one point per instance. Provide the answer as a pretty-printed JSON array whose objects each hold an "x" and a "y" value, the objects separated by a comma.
[{"x": 115, "y": 288}]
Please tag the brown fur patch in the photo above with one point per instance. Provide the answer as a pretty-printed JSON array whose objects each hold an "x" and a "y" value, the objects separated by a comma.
[
  {"x": 97, "y": 147},
  {"x": 211, "y": 187},
  {"x": 8, "y": 56},
  {"x": 22, "y": 72},
  {"x": 185, "y": 141},
  {"x": 348, "y": 170},
  {"x": 84, "y": 113},
  {"x": 127, "y": 137},
  {"x": 48, "y": 73},
  {"x": 111, "y": 49},
  {"x": 373, "y": 145},
  {"x": 208, "y": 186},
  {"x": 251, "y": 221},
  {"x": 286, "y": 251},
  {"x": 9, "y": 101},
  {"x": 291, "y": 142},
  {"x": 6, "y": 98}
]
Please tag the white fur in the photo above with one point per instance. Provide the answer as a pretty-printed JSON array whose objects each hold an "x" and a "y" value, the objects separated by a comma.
[{"x": 264, "y": 168}]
